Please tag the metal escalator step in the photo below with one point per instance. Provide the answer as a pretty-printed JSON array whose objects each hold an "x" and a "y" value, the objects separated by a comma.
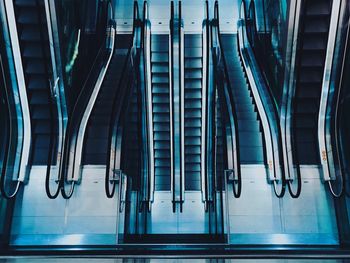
[
  {"x": 160, "y": 79},
  {"x": 42, "y": 127},
  {"x": 315, "y": 42},
  {"x": 159, "y": 57},
  {"x": 193, "y": 123},
  {"x": 193, "y": 63},
  {"x": 159, "y": 46},
  {"x": 313, "y": 59},
  {"x": 39, "y": 112},
  {"x": 41, "y": 98},
  {"x": 96, "y": 146},
  {"x": 251, "y": 155},
  {"x": 160, "y": 99},
  {"x": 162, "y": 153},
  {"x": 248, "y": 125},
  {"x": 40, "y": 156},
  {"x": 196, "y": 83},
  {"x": 311, "y": 75},
  {"x": 193, "y": 74},
  {"x": 306, "y": 122},
  {"x": 247, "y": 138},
  {"x": 162, "y": 162},
  {"x": 37, "y": 82},
  {"x": 25, "y": 3},
  {"x": 101, "y": 132},
  {"x": 318, "y": 8},
  {"x": 30, "y": 34},
  {"x": 161, "y": 145},
  {"x": 316, "y": 25},
  {"x": 193, "y": 113},
  {"x": 192, "y": 170},
  {"x": 194, "y": 149},
  {"x": 193, "y": 52},
  {"x": 160, "y": 68},
  {"x": 95, "y": 159},
  {"x": 306, "y": 106},
  {"x": 35, "y": 67},
  {"x": 161, "y": 108},
  {"x": 307, "y": 153},
  {"x": 29, "y": 15},
  {"x": 189, "y": 141},
  {"x": 161, "y": 127},
  {"x": 194, "y": 185},
  {"x": 247, "y": 115},
  {"x": 160, "y": 88},
  {"x": 193, "y": 94},
  {"x": 42, "y": 140},
  {"x": 33, "y": 50},
  {"x": 194, "y": 158},
  {"x": 161, "y": 117},
  {"x": 191, "y": 131},
  {"x": 162, "y": 136},
  {"x": 193, "y": 104},
  {"x": 193, "y": 40}
]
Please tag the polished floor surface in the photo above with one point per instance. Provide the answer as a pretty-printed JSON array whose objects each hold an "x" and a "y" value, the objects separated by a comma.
[{"x": 159, "y": 260}]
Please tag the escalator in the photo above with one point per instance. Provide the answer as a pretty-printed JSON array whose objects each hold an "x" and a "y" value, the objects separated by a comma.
[
  {"x": 249, "y": 131},
  {"x": 193, "y": 111},
  {"x": 96, "y": 141},
  {"x": 161, "y": 115},
  {"x": 313, "y": 36},
  {"x": 34, "y": 46}
]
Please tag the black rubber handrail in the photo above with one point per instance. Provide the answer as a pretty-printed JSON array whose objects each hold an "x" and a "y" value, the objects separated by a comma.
[
  {"x": 236, "y": 192},
  {"x": 120, "y": 99},
  {"x": 275, "y": 112}
]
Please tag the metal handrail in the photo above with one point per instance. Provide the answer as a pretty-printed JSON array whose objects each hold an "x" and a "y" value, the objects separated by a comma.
[
  {"x": 266, "y": 107},
  {"x": 233, "y": 153}
]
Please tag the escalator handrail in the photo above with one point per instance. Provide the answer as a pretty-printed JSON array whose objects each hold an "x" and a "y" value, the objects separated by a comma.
[
  {"x": 51, "y": 107},
  {"x": 24, "y": 120},
  {"x": 117, "y": 122},
  {"x": 231, "y": 103},
  {"x": 58, "y": 96},
  {"x": 148, "y": 107},
  {"x": 268, "y": 114},
  {"x": 338, "y": 137},
  {"x": 326, "y": 100},
  {"x": 204, "y": 106},
  {"x": 81, "y": 111},
  {"x": 7, "y": 147}
]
